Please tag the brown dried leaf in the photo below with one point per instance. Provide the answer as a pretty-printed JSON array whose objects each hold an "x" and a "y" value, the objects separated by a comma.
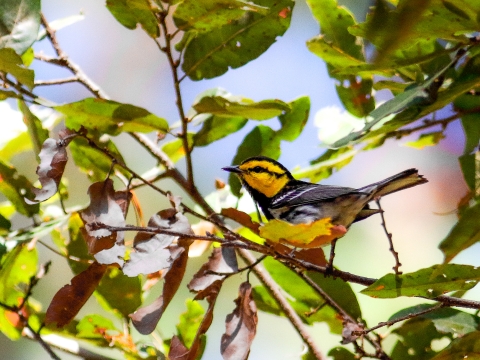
[
  {"x": 53, "y": 158},
  {"x": 178, "y": 351},
  {"x": 154, "y": 252},
  {"x": 146, "y": 319},
  {"x": 222, "y": 260},
  {"x": 68, "y": 301},
  {"x": 241, "y": 326},
  {"x": 108, "y": 207},
  {"x": 242, "y": 218},
  {"x": 314, "y": 256}
]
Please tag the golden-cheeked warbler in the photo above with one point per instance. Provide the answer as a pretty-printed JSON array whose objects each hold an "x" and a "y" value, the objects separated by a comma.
[{"x": 282, "y": 197}]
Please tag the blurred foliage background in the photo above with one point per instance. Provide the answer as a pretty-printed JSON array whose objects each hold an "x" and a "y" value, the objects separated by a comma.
[{"x": 130, "y": 69}]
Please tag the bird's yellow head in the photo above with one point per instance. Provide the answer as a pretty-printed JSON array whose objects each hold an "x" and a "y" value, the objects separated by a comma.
[{"x": 262, "y": 174}]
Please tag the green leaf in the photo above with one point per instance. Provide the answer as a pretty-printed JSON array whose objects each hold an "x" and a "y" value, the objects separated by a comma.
[
  {"x": 38, "y": 232},
  {"x": 5, "y": 226},
  {"x": 20, "y": 143},
  {"x": 19, "y": 23},
  {"x": 411, "y": 99},
  {"x": 466, "y": 347},
  {"x": 427, "y": 139},
  {"x": 445, "y": 320},
  {"x": 294, "y": 120},
  {"x": 106, "y": 116},
  {"x": 340, "y": 353},
  {"x": 339, "y": 49},
  {"x": 17, "y": 267},
  {"x": 217, "y": 105},
  {"x": 190, "y": 321},
  {"x": 471, "y": 128},
  {"x": 420, "y": 20},
  {"x": 468, "y": 103},
  {"x": 398, "y": 103},
  {"x": 9, "y": 325},
  {"x": 206, "y": 15},
  {"x": 325, "y": 165},
  {"x": 216, "y": 128},
  {"x": 265, "y": 302},
  {"x": 429, "y": 282},
  {"x": 7, "y": 94},
  {"x": 307, "y": 299},
  {"x": 89, "y": 328},
  {"x": 332, "y": 54},
  {"x": 129, "y": 13},
  {"x": 415, "y": 342},
  {"x": 16, "y": 187},
  {"x": 212, "y": 53},
  {"x": 468, "y": 164},
  {"x": 390, "y": 30},
  {"x": 119, "y": 293},
  {"x": 174, "y": 149},
  {"x": 334, "y": 22},
  {"x": 12, "y": 63},
  {"x": 77, "y": 246},
  {"x": 94, "y": 162},
  {"x": 37, "y": 133},
  {"x": 357, "y": 96},
  {"x": 260, "y": 141},
  {"x": 464, "y": 234}
]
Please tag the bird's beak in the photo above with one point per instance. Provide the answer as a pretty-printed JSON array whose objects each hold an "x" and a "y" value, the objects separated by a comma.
[{"x": 233, "y": 169}]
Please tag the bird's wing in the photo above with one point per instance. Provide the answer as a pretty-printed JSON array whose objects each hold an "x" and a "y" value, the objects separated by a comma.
[{"x": 306, "y": 193}]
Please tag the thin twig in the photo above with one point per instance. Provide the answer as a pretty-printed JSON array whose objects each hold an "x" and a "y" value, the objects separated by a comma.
[
  {"x": 69, "y": 257},
  {"x": 396, "y": 268},
  {"x": 56, "y": 81},
  {"x": 406, "y": 317},
  {"x": 174, "y": 64},
  {"x": 63, "y": 60},
  {"x": 346, "y": 316},
  {"x": 248, "y": 267},
  {"x": 154, "y": 150}
]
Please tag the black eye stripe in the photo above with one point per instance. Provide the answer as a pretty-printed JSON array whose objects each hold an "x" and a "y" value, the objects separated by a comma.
[{"x": 259, "y": 169}]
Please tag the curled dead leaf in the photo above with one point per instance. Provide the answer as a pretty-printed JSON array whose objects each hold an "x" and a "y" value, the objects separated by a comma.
[
  {"x": 146, "y": 318},
  {"x": 222, "y": 260},
  {"x": 155, "y": 252},
  {"x": 108, "y": 207},
  {"x": 241, "y": 326},
  {"x": 53, "y": 158}
]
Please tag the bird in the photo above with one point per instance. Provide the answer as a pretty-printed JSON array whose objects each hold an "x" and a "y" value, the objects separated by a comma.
[{"x": 280, "y": 196}]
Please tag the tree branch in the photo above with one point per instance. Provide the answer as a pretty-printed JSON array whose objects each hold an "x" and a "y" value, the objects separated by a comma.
[
  {"x": 174, "y": 64},
  {"x": 63, "y": 60}
]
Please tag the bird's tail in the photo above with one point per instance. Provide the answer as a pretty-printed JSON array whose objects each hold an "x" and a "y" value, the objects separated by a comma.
[{"x": 403, "y": 180}]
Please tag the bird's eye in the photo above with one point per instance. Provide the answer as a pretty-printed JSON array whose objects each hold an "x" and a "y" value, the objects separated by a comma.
[{"x": 257, "y": 169}]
